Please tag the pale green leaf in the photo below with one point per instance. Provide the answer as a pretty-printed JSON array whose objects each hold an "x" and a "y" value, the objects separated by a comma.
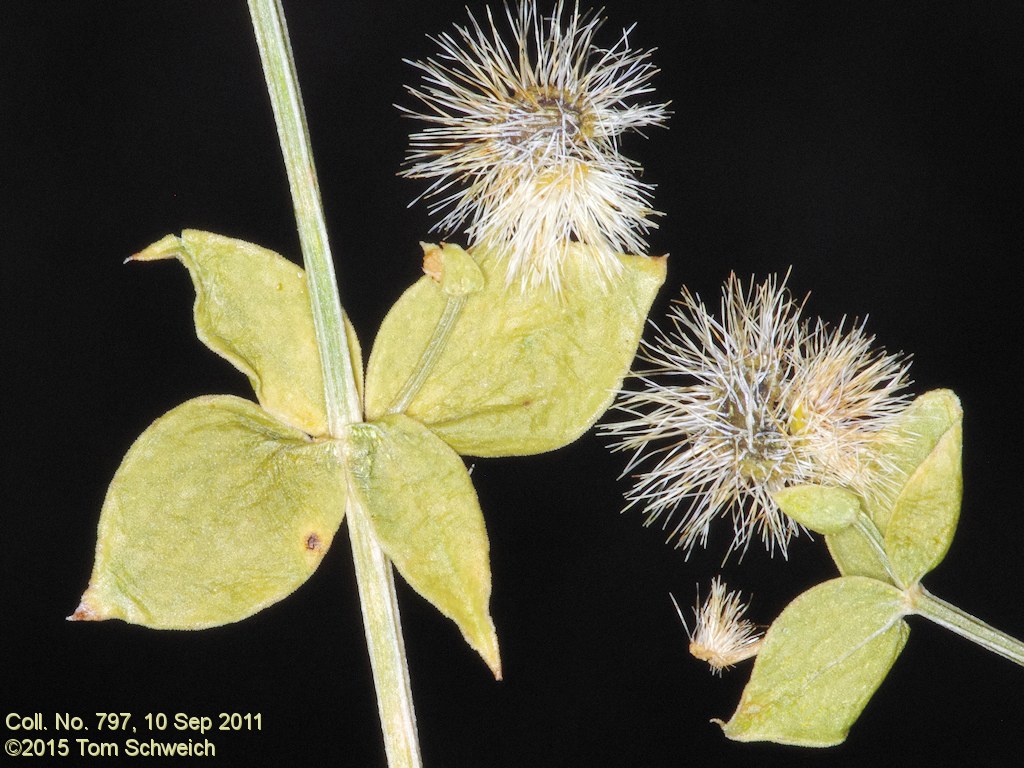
[
  {"x": 926, "y": 512},
  {"x": 426, "y": 517},
  {"x": 217, "y": 511},
  {"x": 252, "y": 308},
  {"x": 920, "y": 428},
  {"x": 854, "y": 555},
  {"x": 820, "y": 508},
  {"x": 522, "y": 371},
  {"x": 820, "y": 663},
  {"x": 454, "y": 269}
]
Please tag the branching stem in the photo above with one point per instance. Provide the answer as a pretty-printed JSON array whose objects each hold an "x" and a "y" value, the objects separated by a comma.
[{"x": 921, "y": 602}]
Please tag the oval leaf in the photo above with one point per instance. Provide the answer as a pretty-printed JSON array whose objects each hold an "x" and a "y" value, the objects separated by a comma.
[
  {"x": 217, "y": 511},
  {"x": 426, "y": 517},
  {"x": 919, "y": 430},
  {"x": 927, "y": 510},
  {"x": 522, "y": 372},
  {"x": 922, "y": 425},
  {"x": 820, "y": 508},
  {"x": 252, "y": 308},
  {"x": 821, "y": 661}
]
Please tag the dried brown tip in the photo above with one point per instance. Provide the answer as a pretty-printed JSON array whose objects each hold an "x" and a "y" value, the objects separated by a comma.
[
  {"x": 84, "y": 612},
  {"x": 433, "y": 261},
  {"x": 167, "y": 247}
]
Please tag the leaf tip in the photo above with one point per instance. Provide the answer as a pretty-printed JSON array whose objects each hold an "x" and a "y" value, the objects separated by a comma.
[
  {"x": 731, "y": 730},
  {"x": 487, "y": 646},
  {"x": 659, "y": 265},
  {"x": 169, "y": 247},
  {"x": 86, "y": 611}
]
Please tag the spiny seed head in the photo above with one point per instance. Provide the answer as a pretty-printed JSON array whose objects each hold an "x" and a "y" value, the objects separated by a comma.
[
  {"x": 523, "y": 141},
  {"x": 739, "y": 405},
  {"x": 847, "y": 394},
  {"x": 720, "y": 635}
]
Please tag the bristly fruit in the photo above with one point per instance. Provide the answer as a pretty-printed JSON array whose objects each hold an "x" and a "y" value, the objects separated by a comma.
[
  {"x": 523, "y": 140},
  {"x": 739, "y": 406}
]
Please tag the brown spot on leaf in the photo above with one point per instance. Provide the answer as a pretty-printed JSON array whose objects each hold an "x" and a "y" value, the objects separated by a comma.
[{"x": 313, "y": 543}]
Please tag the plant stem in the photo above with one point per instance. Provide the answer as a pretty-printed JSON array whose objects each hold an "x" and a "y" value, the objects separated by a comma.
[
  {"x": 952, "y": 618},
  {"x": 374, "y": 573},
  {"x": 375, "y": 577},
  {"x": 343, "y": 406},
  {"x": 923, "y": 603}
]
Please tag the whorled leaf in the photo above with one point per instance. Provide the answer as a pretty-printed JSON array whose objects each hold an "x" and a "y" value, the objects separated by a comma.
[
  {"x": 919, "y": 430},
  {"x": 252, "y": 308},
  {"x": 217, "y": 511},
  {"x": 855, "y": 556},
  {"x": 918, "y": 460},
  {"x": 521, "y": 372},
  {"x": 926, "y": 512},
  {"x": 821, "y": 661},
  {"x": 819, "y": 508},
  {"x": 425, "y": 514}
]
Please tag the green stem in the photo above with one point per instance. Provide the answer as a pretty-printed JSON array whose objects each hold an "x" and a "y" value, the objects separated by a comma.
[
  {"x": 952, "y": 618},
  {"x": 923, "y": 603},
  {"x": 443, "y": 329},
  {"x": 343, "y": 406},
  {"x": 373, "y": 569},
  {"x": 375, "y": 577}
]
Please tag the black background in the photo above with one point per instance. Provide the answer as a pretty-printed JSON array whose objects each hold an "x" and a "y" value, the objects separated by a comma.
[{"x": 873, "y": 146}]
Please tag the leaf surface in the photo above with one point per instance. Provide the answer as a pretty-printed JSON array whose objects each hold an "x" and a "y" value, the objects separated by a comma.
[
  {"x": 217, "y": 511},
  {"x": 252, "y": 308},
  {"x": 820, "y": 663},
  {"x": 919, "y": 430},
  {"x": 924, "y": 518},
  {"x": 522, "y": 372},
  {"x": 822, "y": 509},
  {"x": 425, "y": 514},
  {"x": 854, "y": 555}
]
